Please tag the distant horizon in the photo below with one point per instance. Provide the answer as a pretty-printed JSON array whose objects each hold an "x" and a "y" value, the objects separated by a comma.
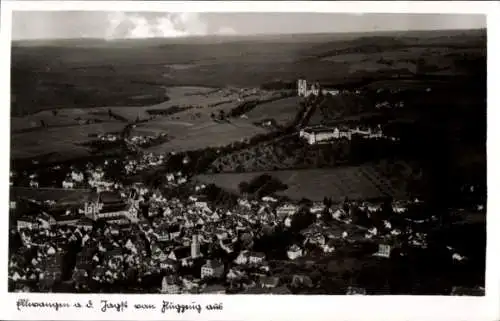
[
  {"x": 263, "y": 35},
  {"x": 52, "y": 25}
]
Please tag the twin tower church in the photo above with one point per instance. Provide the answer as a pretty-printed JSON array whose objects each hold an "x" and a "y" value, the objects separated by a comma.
[{"x": 315, "y": 89}]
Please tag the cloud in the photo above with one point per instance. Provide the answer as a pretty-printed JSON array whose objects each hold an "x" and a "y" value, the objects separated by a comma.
[{"x": 169, "y": 25}]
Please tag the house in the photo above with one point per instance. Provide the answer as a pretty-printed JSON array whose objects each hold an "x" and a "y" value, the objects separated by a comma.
[
  {"x": 212, "y": 269},
  {"x": 29, "y": 223},
  {"x": 256, "y": 257},
  {"x": 85, "y": 223},
  {"x": 189, "y": 283},
  {"x": 399, "y": 207},
  {"x": 384, "y": 250},
  {"x": 355, "y": 291},
  {"x": 158, "y": 254},
  {"x": 294, "y": 252},
  {"x": 235, "y": 274},
  {"x": 174, "y": 231},
  {"x": 168, "y": 265},
  {"x": 329, "y": 247},
  {"x": 299, "y": 280},
  {"x": 170, "y": 285},
  {"x": 269, "y": 281},
  {"x": 200, "y": 202},
  {"x": 287, "y": 210},
  {"x": 242, "y": 258},
  {"x": 46, "y": 220},
  {"x": 182, "y": 255}
]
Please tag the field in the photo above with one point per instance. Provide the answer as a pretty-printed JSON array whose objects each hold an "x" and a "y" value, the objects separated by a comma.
[
  {"x": 186, "y": 136},
  {"x": 360, "y": 182},
  {"x": 192, "y": 128},
  {"x": 283, "y": 111},
  {"x": 61, "y": 196},
  {"x": 64, "y": 141}
]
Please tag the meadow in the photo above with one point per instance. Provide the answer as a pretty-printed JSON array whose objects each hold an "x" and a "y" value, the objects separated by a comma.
[
  {"x": 61, "y": 196},
  {"x": 283, "y": 111},
  {"x": 356, "y": 183},
  {"x": 64, "y": 141}
]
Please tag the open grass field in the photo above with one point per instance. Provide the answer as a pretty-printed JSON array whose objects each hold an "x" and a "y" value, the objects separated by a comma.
[
  {"x": 61, "y": 196},
  {"x": 61, "y": 140},
  {"x": 283, "y": 111},
  {"x": 187, "y": 136},
  {"x": 359, "y": 182}
]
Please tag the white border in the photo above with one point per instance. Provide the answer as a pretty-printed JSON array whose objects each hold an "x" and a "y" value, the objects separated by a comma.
[{"x": 279, "y": 307}]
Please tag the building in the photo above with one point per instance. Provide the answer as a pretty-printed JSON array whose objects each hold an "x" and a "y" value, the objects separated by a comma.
[
  {"x": 294, "y": 252},
  {"x": 256, "y": 257},
  {"x": 355, "y": 291},
  {"x": 195, "y": 247},
  {"x": 85, "y": 223},
  {"x": 287, "y": 210},
  {"x": 212, "y": 269},
  {"x": 170, "y": 285},
  {"x": 315, "y": 89},
  {"x": 384, "y": 250},
  {"x": 108, "y": 205},
  {"x": 321, "y": 134},
  {"x": 27, "y": 223},
  {"x": 46, "y": 220},
  {"x": 242, "y": 258}
]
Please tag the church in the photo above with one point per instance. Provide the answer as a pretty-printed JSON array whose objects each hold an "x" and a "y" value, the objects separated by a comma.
[{"x": 304, "y": 91}]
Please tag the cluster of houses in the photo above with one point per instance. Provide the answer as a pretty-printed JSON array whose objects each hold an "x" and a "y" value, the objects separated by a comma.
[
  {"x": 183, "y": 234},
  {"x": 140, "y": 140},
  {"x": 194, "y": 246},
  {"x": 108, "y": 138}
]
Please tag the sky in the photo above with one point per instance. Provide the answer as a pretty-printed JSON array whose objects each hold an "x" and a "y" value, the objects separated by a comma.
[{"x": 119, "y": 25}]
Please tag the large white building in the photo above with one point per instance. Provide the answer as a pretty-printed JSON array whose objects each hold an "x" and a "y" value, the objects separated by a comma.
[{"x": 320, "y": 134}]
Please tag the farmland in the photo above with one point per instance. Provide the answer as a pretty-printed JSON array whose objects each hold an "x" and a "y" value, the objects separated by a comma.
[
  {"x": 359, "y": 182},
  {"x": 189, "y": 126},
  {"x": 60, "y": 196},
  {"x": 186, "y": 136},
  {"x": 61, "y": 140},
  {"x": 283, "y": 111}
]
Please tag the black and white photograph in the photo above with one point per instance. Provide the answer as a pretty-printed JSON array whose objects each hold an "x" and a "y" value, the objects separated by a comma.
[{"x": 286, "y": 153}]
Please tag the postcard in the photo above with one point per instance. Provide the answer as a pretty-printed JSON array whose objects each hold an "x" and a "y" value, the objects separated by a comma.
[{"x": 249, "y": 160}]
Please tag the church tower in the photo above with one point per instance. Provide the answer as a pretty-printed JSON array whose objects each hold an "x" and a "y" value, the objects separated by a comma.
[
  {"x": 195, "y": 247},
  {"x": 302, "y": 87}
]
